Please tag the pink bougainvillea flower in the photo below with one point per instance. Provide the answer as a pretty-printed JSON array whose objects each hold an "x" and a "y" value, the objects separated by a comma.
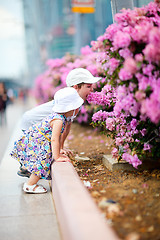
[
  {"x": 125, "y": 75},
  {"x": 121, "y": 40},
  {"x": 110, "y": 124},
  {"x": 134, "y": 160},
  {"x": 130, "y": 65},
  {"x": 115, "y": 152},
  {"x": 146, "y": 146}
]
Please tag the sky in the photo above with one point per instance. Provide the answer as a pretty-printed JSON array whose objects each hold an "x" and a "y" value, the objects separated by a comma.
[{"x": 12, "y": 44}]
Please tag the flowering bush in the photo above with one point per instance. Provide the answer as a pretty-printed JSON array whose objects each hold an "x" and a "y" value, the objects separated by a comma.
[{"x": 129, "y": 107}]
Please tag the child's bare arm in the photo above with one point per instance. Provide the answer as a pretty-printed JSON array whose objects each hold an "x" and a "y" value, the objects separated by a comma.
[
  {"x": 64, "y": 136},
  {"x": 65, "y": 133},
  {"x": 55, "y": 141}
]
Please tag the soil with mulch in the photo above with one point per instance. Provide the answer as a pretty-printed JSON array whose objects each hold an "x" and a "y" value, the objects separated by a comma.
[{"x": 130, "y": 200}]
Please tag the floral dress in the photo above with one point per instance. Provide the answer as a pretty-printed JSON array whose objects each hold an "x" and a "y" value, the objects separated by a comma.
[{"x": 33, "y": 149}]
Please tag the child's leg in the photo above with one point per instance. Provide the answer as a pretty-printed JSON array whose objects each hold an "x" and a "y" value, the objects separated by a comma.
[
  {"x": 32, "y": 187},
  {"x": 33, "y": 179}
]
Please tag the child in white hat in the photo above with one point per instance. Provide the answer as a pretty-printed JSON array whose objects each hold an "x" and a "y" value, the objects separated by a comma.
[{"x": 41, "y": 144}]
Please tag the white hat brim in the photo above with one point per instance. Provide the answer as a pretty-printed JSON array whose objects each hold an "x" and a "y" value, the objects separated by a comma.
[
  {"x": 62, "y": 109},
  {"x": 87, "y": 81}
]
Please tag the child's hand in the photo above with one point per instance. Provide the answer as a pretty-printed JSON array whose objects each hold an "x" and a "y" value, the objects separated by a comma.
[
  {"x": 67, "y": 152},
  {"x": 63, "y": 158}
]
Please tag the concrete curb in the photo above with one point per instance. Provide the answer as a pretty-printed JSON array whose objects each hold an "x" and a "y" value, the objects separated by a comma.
[{"x": 78, "y": 215}]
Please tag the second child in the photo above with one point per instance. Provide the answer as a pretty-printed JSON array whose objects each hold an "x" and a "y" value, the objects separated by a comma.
[{"x": 40, "y": 145}]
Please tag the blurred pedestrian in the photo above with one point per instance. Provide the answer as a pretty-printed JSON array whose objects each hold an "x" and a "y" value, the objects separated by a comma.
[{"x": 3, "y": 103}]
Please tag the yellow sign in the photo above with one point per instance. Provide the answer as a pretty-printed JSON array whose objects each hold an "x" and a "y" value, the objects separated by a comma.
[{"x": 83, "y": 6}]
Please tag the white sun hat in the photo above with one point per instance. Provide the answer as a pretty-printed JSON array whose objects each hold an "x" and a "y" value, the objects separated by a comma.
[
  {"x": 80, "y": 75},
  {"x": 66, "y": 99}
]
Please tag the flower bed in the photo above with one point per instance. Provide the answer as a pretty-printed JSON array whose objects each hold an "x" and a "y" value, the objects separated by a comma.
[{"x": 129, "y": 200}]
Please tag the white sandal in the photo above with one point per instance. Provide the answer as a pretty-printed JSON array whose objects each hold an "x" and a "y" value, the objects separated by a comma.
[{"x": 34, "y": 188}]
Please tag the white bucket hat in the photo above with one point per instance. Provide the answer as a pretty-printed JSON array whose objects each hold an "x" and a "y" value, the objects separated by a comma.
[
  {"x": 66, "y": 99},
  {"x": 80, "y": 75}
]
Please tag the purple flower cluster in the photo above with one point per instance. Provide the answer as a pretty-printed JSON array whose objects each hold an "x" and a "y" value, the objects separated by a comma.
[
  {"x": 129, "y": 51},
  {"x": 134, "y": 160}
]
